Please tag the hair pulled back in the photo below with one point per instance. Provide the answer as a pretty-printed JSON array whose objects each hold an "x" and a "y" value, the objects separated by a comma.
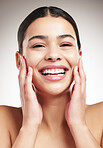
[{"x": 42, "y": 12}]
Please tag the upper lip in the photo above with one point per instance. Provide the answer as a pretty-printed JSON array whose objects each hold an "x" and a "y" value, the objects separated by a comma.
[{"x": 53, "y": 67}]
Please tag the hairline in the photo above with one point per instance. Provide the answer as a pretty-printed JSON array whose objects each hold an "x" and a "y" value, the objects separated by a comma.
[
  {"x": 49, "y": 11},
  {"x": 48, "y": 15}
]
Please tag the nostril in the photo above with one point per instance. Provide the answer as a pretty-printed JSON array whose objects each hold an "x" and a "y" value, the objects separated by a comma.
[
  {"x": 49, "y": 58},
  {"x": 58, "y": 58},
  {"x": 53, "y": 59}
]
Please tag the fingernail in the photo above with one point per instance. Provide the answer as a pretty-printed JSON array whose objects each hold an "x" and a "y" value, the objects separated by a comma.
[
  {"x": 30, "y": 70},
  {"x": 76, "y": 68}
]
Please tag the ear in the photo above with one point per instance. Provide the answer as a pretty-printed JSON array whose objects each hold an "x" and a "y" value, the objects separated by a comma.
[
  {"x": 80, "y": 53},
  {"x": 17, "y": 57}
]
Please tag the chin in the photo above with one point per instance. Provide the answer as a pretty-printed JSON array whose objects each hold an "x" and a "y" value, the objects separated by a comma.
[{"x": 54, "y": 89}]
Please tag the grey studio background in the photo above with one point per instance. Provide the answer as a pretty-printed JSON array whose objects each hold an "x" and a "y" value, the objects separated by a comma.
[{"x": 89, "y": 17}]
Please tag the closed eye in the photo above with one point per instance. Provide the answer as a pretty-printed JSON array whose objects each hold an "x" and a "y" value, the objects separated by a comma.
[
  {"x": 37, "y": 46},
  {"x": 65, "y": 45}
]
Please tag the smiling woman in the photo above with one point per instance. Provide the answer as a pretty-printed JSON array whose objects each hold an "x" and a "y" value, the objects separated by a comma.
[
  {"x": 54, "y": 46},
  {"x": 49, "y": 63}
]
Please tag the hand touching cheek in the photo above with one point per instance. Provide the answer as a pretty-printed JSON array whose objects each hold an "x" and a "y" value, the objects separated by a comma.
[
  {"x": 75, "y": 110},
  {"x": 32, "y": 112}
]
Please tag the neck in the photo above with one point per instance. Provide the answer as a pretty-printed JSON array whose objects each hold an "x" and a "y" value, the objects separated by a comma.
[{"x": 53, "y": 110}]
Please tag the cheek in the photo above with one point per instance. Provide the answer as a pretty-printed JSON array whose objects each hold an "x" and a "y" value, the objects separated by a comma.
[
  {"x": 72, "y": 58},
  {"x": 33, "y": 59}
]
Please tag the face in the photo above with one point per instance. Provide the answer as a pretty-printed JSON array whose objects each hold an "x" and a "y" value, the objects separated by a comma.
[{"x": 50, "y": 48}]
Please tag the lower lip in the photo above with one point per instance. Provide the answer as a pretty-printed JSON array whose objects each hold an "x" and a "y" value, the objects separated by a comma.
[{"x": 54, "y": 78}]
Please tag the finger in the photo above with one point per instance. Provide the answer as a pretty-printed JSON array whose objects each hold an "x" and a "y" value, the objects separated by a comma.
[
  {"x": 71, "y": 89},
  {"x": 21, "y": 78},
  {"x": 31, "y": 102},
  {"x": 29, "y": 92},
  {"x": 22, "y": 72},
  {"x": 76, "y": 76},
  {"x": 82, "y": 75},
  {"x": 77, "y": 85},
  {"x": 81, "y": 70}
]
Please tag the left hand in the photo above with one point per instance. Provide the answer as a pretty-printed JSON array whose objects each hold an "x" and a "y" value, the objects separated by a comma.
[{"x": 75, "y": 109}]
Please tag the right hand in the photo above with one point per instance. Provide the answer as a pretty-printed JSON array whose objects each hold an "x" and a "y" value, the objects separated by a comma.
[{"x": 32, "y": 111}]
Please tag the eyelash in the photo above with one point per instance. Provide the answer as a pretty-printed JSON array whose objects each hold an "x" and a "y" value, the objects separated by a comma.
[
  {"x": 63, "y": 45},
  {"x": 66, "y": 44},
  {"x": 37, "y": 46}
]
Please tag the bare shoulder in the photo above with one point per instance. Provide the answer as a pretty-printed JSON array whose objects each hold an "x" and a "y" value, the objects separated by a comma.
[
  {"x": 10, "y": 123},
  {"x": 94, "y": 120},
  {"x": 95, "y": 112},
  {"x": 10, "y": 114},
  {"x": 95, "y": 109}
]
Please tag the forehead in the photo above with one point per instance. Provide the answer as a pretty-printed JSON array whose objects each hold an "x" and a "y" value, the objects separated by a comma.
[{"x": 50, "y": 26}]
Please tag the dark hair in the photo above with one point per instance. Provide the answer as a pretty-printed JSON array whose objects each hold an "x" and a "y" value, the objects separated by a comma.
[{"x": 42, "y": 12}]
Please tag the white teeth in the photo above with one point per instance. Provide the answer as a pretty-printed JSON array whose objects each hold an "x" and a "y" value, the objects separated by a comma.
[
  {"x": 56, "y": 75},
  {"x": 53, "y": 71}
]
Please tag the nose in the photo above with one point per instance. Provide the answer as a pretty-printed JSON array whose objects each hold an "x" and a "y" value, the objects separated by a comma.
[{"x": 53, "y": 55}]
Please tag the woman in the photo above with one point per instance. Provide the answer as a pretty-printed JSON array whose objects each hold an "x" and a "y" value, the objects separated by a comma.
[{"x": 49, "y": 63}]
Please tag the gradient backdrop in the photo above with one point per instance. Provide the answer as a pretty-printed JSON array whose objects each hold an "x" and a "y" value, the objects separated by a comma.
[{"x": 89, "y": 17}]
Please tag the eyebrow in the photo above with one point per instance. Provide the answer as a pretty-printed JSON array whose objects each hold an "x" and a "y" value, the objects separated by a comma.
[
  {"x": 65, "y": 35},
  {"x": 38, "y": 37},
  {"x": 46, "y": 37}
]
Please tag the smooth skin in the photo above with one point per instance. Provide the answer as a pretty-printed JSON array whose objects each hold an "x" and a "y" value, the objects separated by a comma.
[{"x": 51, "y": 114}]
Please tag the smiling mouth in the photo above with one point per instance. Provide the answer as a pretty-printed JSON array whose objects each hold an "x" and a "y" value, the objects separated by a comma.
[{"x": 53, "y": 72}]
